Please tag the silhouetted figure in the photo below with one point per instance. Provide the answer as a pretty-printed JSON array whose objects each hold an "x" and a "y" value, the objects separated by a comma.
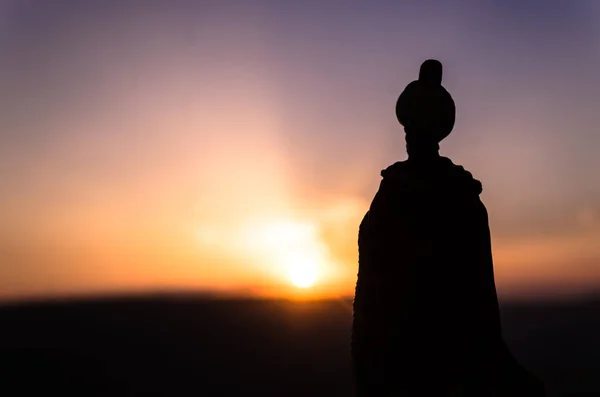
[{"x": 426, "y": 316}]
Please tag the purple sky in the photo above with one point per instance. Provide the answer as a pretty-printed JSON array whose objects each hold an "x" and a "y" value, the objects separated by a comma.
[{"x": 127, "y": 126}]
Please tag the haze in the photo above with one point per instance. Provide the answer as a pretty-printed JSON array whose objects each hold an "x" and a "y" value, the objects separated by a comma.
[{"x": 149, "y": 145}]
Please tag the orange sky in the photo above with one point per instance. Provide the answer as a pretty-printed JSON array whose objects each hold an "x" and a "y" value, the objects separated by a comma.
[{"x": 168, "y": 146}]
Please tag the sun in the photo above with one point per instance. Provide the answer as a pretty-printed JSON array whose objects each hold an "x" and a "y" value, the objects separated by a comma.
[
  {"x": 303, "y": 274},
  {"x": 292, "y": 247}
]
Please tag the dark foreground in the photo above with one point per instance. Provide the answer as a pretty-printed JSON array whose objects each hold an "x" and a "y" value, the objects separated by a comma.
[{"x": 194, "y": 346}]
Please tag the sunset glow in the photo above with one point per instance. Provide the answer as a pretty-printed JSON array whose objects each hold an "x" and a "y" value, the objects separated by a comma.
[
  {"x": 236, "y": 146},
  {"x": 292, "y": 249},
  {"x": 303, "y": 273}
]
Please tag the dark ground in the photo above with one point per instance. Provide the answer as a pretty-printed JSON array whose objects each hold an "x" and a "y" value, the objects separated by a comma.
[{"x": 192, "y": 345}]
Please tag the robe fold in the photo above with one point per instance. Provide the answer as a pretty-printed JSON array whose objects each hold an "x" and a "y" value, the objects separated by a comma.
[{"x": 426, "y": 314}]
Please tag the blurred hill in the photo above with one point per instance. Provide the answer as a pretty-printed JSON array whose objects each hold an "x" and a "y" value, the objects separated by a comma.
[{"x": 180, "y": 345}]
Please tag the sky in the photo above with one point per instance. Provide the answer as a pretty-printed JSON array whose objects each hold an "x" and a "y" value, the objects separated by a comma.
[{"x": 234, "y": 146}]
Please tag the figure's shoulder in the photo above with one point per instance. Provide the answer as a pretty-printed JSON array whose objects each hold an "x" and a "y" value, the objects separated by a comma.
[
  {"x": 439, "y": 165},
  {"x": 441, "y": 173},
  {"x": 395, "y": 170},
  {"x": 459, "y": 176}
]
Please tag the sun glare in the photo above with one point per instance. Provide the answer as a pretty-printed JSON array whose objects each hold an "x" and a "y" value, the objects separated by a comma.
[
  {"x": 293, "y": 248},
  {"x": 303, "y": 273}
]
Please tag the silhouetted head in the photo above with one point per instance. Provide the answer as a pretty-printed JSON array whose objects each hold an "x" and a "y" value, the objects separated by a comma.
[{"x": 426, "y": 110}]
